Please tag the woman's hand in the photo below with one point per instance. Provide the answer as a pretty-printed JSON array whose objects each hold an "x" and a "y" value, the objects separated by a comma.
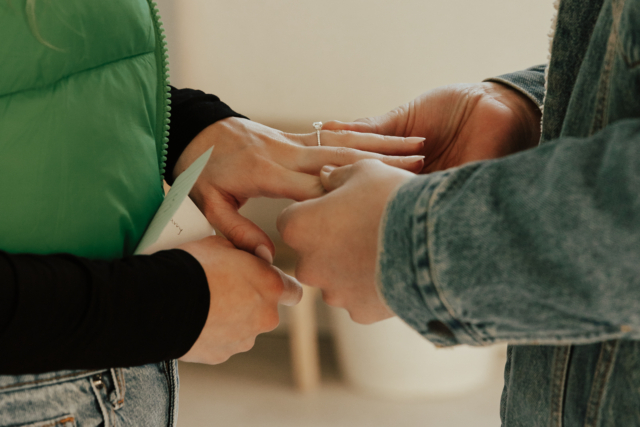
[
  {"x": 245, "y": 293},
  {"x": 336, "y": 236},
  {"x": 253, "y": 160},
  {"x": 461, "y": 123}
]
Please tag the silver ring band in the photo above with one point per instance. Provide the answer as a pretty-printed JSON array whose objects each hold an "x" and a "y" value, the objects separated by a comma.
[{"x": 318, "y": 126}]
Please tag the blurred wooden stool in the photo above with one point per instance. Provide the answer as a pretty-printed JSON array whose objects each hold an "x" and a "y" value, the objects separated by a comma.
[
  {"x": 303, "y": 328},
  {"x": 303, "y": 342}
]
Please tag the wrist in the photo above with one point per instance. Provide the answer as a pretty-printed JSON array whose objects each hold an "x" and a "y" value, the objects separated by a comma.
[{"x": 202, "y": 142}]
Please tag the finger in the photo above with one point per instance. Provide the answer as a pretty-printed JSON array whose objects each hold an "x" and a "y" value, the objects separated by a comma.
[
  {"x": 386, "y": 124},
  {"x": 293, "y": 185},
  {"x": 291, "y": 224},
  {"x": 383, "y": 144},
  {"x": 360, "y": 125},
  {"x": 292, "y": 292},
  {"x": 311, "y": 159},
  {"x": 243, "y": 233},
  {"x": 244, "y": 346},
  {"x": 332, "y": 177}
]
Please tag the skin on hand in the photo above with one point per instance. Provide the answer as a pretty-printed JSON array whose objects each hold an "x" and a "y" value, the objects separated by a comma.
[
  {"x": 253, "y": 160},
  {"x": 336, "y": 236},
  {"x": 462, "y": 123},
  {"x": 245, "y": 293}
]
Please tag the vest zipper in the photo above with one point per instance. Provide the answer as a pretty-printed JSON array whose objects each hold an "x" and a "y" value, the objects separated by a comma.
[{"x": 163, "y": 92}]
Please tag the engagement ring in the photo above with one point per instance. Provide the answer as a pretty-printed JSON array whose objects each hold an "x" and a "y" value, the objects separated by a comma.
[{"x": 318, "y": 126}]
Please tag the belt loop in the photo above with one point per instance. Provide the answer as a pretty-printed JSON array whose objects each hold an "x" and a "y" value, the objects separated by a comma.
[{"x": 117, "y": 395}]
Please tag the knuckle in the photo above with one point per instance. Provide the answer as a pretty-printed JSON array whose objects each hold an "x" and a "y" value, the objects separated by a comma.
[
  {"x": 269, "y": 320},
  {"x": 216, "y": 360},
  {"x": 304, "y": 275},
  {"x": 246, "y": 345},
  {"x": 361, "y": 318},
  {"x": 262, "y": 165},
  {"x": 389, "y": 138},
  {"x": 287, "y": 225},
  {"x": 343, "y": 153},
  {"x": 236, "y": 232},
  {"x": 256, "y": 163},
  {"x": 332, "y": 299}
]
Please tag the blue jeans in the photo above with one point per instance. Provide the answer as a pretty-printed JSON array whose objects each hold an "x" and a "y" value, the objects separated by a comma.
[{"x": 138, "y": 396}]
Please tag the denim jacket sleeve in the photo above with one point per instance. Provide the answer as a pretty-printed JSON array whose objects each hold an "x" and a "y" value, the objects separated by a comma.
[
  {"x": 529, "y": 82},
  {"x": 538, "y": 247}
]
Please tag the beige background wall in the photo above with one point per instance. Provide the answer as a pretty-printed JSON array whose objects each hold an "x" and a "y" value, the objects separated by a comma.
[{"x": 299, "y": 61}]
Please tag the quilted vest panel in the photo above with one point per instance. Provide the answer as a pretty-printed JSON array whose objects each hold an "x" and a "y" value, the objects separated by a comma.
[{"x": 82, "y": 125}]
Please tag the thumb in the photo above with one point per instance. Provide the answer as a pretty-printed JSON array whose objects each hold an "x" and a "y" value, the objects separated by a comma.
[
  {"x": 292, "y": 291},
  {"x": 332, "y": 177},
  {"x": 243, "y": 233}
]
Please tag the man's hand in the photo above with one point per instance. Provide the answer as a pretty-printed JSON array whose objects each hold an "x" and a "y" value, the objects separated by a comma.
[
  {"x": 461, "y": 123},
  {"x": 245, "y": 293},
  {"x": 252, "y": 160},
  {"x": 336, "y": 236}
]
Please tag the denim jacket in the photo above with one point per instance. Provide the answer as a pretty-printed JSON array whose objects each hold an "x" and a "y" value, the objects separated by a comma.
[{"x": 541, "y": 249}]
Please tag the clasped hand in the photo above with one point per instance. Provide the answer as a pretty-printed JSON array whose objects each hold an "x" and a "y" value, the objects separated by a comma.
[
  {"x": 252, "y": 160},
  {"x": 336, "y": 236}
]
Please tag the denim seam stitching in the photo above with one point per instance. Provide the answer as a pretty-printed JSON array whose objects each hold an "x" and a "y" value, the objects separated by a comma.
[
  {"x": 379, "y": 285},
  {"x": 601, "y": 376},
  {"x": 53, "y": 380},
  {"x": 444, "y": 187},
  {"x": 62, "y": 421},
  {"x": 424, "y": 276},
  {"x": 108, "y": 422},
  {"x": 559, "y": 339},
  {"x": 602, "y": 100},
  {"x": 118, "y": 383},
  {"x": 558, "y": 384}
]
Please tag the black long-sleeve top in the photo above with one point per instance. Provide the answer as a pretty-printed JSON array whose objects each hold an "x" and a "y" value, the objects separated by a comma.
[{"x": 68, "y": 312}]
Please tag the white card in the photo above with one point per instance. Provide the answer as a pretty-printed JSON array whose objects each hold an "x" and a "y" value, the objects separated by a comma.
[{"x": 178, "y": 220}]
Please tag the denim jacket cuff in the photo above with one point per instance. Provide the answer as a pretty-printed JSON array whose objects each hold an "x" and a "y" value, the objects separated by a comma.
[
  {"x": 403, "y": 274},
  {"x": 529, "y": 82}
]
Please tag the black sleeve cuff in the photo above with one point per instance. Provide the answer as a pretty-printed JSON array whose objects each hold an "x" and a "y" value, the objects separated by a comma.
[
  {"x": 68, "y": 312},
  {"x": 191, "y": 112}
]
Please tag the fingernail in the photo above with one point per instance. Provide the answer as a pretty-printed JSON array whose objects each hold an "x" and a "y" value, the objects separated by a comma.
[
  {"x": 414, "y": 139},
  {"x": 263, "y": 252},
  {"x": 293, "y": 291},
  {"x": 414, "y": 159},
  {"x": 328, "y": 168}
]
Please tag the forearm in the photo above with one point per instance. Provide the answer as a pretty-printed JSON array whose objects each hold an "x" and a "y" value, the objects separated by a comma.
[
  {"x": 538, "y": 247},
  {"x": 67, "y": 312}
]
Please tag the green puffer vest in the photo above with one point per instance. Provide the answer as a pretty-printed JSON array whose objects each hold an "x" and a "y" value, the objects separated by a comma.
[{"x": 83, "y": 125}]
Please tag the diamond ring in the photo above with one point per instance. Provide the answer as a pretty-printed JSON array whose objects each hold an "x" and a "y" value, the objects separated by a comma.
[{"x": 317, "y": 126}]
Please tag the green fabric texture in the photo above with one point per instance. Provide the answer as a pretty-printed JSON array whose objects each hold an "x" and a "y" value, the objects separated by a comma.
[{"x": 83, "y": 125}]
